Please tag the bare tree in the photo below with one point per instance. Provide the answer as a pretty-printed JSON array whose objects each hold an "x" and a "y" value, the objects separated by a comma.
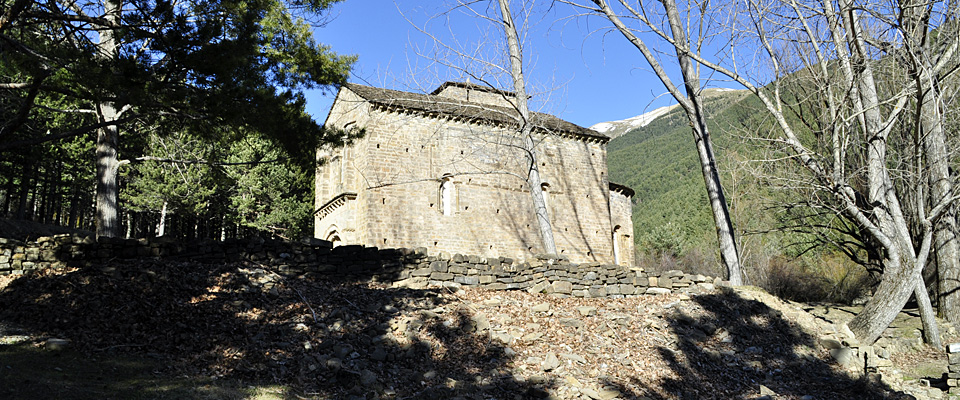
[
  {"x": 526, "y": 127},
  {"x": 837, "y": 46},
  {"x": 921, "y": 55},
  {"x": 489, "y": 72},
  {"x": 691, "y": 100}
]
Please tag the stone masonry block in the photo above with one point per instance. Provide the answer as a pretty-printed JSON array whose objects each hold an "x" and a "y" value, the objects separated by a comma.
[{"x": 439, "y": 266}]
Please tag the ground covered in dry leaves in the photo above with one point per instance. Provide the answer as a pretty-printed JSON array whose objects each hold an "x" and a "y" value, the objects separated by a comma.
[{"x": 323, "y": 338}]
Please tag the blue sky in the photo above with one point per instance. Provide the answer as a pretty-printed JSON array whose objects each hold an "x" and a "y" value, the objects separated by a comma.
[{"x": 595, "y": 76}]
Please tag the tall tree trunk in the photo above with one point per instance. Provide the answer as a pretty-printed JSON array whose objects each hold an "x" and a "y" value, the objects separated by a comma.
[
  {"x": 7, "y": 194},
  {"x": 534, "y": 181},
  {"x": 946, "y": 242},
  {"x": 902, "y": 269},
  {"x": 162, "y": 227},
  {"x": 708, "y": 162},
  {"x": 693, "y": 107},
  {"x": 74, "y": 219},
  {"x": 26, "y": 181},
  {"x": 107, "y": 209},
  {"x": 946, "y": 246}
]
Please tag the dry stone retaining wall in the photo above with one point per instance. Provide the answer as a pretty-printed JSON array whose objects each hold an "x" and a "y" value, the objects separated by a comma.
[{"x": 404, "y": 267}]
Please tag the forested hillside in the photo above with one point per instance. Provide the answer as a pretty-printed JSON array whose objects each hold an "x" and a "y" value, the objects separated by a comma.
[
  {"x": 672, "y": 221},
  {"x": 659, "y": 161}
]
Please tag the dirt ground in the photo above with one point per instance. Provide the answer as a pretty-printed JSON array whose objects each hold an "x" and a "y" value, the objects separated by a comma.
[{"x": 151, "y": 329}]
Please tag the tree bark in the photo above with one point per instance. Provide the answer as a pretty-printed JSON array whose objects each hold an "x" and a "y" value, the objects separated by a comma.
[
  {"x": 107, "y": 208},
  {"x": 534, "y": 181},
  {"x": 946, "y": 242},
  {"x": 902, "y": 272},
  {"x": 26, "y": 181}
]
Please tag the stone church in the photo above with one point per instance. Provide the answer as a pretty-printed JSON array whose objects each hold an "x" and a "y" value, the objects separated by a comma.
[{"x": 445, "y": 171}]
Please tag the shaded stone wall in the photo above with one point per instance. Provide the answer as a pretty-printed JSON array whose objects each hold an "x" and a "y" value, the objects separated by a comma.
[
  {"x": 413, "y": 268},
  {"x": 621, "y": 211}
]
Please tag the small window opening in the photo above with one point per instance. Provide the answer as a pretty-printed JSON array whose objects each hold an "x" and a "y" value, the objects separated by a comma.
[{"x": 447, "y": 191}]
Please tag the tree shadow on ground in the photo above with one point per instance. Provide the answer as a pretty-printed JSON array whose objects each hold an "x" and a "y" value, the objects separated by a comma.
[
  {"x": 240, "y": 323},
  {"x": 729, "y": 346}
]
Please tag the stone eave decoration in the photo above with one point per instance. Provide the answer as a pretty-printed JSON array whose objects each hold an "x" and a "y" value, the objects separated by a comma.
[
  {"x": 447, "y": 108},
  {"x": 334, "y": 203}
]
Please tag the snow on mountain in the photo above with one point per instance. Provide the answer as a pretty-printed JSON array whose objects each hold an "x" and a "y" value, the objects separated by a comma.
[
  {"x": 615, "y": 129},
  {"x": 618, "y": 128}
]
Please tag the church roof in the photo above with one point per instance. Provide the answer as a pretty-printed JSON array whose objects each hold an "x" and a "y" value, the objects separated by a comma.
[
  {"x": 471, "y": 86},
  {"x": 452, "y": 108}
]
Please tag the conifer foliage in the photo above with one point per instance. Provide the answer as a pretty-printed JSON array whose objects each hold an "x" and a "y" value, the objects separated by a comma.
[{"x": 162, "y": 93}]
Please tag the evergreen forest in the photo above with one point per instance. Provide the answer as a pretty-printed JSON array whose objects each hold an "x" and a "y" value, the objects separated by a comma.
[{"x": 116, "y": 119}]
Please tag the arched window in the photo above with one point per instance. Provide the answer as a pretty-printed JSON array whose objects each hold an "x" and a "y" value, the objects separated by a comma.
[{"x": 447, "y": 193}]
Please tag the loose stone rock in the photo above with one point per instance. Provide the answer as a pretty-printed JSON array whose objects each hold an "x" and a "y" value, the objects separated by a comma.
[
  {"x": 844, "y": 356},
  {"x": 574, "y": 357},
  {"x": 551, "y": 362},
  {"x": 542, "y": 307},
  {"x": 587, "y": 311}
]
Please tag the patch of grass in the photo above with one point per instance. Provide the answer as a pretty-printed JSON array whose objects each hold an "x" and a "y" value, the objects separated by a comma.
[
  {"x": 28, "y": 371},
  {"x": 926, "y": 369}
]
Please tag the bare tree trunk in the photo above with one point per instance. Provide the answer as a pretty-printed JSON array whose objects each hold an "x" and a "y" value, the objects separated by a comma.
[
  {"x": 162, "y": 227},
  {"x": 73, "y": 220},
  {"x": 708, "y": 162},
  {"x": 692, "y": 105},
  {"x": 946, "y": 247},
  {"x": 946, "y": 242},
  {"x": 107, "y": 212},
  {"x": 931, "y": 332},
  {"x": 534, "y": 182}
]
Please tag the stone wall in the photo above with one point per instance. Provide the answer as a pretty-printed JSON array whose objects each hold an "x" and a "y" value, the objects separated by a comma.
[
  {"x": 397, "y": 168},
  {"x": 405, "y": 267}
]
